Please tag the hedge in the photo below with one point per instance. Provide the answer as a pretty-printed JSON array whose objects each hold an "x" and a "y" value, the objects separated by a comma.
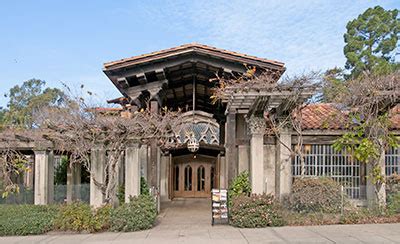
[{"x": 26, "y": 219}]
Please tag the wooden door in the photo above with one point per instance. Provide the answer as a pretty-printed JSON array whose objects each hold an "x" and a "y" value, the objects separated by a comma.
[{"x": 193, "y": 179}]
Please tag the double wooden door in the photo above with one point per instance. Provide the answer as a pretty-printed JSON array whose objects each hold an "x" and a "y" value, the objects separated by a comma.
[{"x": 193, "y": 179}]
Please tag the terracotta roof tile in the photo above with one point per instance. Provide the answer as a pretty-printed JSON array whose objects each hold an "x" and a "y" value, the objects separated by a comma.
[
  {"x": 322, "y": 116},
  {"x": 326, "y": 116}
]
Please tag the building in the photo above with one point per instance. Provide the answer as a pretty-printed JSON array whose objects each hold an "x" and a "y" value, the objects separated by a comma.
[{"x": 230, "y": 132}]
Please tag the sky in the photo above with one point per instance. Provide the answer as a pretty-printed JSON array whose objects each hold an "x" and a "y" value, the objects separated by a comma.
[{"x": 68, "y": 41}]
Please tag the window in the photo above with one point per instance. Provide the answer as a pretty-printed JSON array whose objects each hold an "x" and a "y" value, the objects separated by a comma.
[
  {"x": 188, "y": 178},
  {"x": 176, "y": 179},
  {"x": 201, "y": 178},
  {"x": 323, "y": 160},
  {"x": 392, "y": 161}
]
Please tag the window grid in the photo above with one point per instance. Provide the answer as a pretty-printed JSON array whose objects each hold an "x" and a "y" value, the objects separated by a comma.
[
  {"x": 392, "y": 161},
  {"x": 324, "y": 161}
]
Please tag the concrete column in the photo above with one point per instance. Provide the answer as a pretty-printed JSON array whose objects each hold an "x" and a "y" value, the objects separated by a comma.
[
  {"x": 152, "y": 170},
  {"x": 269, "y": 169},
  {"x": 283, "y": 166},
  {"x": 70, "y": 184},
  {"x": 77, "y": 181},
  {"x": 257, "y": 130},
  {"x": 164, "y": 169},
  {"x": 132, "y": 171},
  {"x": 44, "y": 177},
  {"x": 376, "y": 197},
  {"x": 143, "y": 161},
  {"x": 243, "y": 158},
  {"x": 98, "y": 161},
  {"x": 121, "y": 171},
  {"x": 223, "y": 173},
  {"x": 230, "y": 146}
]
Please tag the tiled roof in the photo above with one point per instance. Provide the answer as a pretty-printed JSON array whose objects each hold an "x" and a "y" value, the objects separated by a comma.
[
  {"x": 189, "y": 47},
  {"x": 326, "y": 116},
  {"x": 322, "y": 116}
]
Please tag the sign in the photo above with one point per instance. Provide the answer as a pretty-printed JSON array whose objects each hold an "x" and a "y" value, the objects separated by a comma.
[{"x": 219, "y": 206}]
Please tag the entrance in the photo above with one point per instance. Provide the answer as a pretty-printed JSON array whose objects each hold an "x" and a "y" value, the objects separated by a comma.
[{"x": 193, "y": 177}]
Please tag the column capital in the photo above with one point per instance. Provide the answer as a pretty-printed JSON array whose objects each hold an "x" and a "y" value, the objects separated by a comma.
[{"x": 256, "y": 125}]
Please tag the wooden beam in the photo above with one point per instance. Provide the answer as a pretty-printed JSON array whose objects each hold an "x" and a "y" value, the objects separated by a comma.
[{"x": 142, "y": 78}]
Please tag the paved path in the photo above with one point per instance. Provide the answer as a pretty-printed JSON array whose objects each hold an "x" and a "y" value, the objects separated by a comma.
[{"x": 188, "y": 221}]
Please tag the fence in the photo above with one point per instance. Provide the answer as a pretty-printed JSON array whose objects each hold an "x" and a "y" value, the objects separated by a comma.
[
  {"x": 81, "y": 192},
  {"x": 26, "y": 195}
]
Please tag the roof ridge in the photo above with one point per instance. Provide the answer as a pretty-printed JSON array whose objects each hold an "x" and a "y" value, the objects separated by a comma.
[{"x": 191, "y": 45}]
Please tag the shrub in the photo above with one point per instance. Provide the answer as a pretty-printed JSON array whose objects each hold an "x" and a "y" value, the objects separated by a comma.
[
  {"x": 316, "y": 195},
  {"x": 393, "y": 184},
  {"x": 255, "y": 211},
  {"x": 79, "y": 217},
  {"x": 239, "y": 186},
  {"x": 26, "y": 219},
  {"x": 139, "y": 214},
  {"x": 121, "y": 194},
  {"x": 393, "y": 203}
]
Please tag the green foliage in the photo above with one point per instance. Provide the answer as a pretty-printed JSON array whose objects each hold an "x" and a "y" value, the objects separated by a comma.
[
  {"x": 393, "y": 184},
  {"x": 60, "y": 174},
  {"x": 144, "y": 190},
  {"x": 139, "y": 214},
  {"x": 393, "y": 194},
  {"x": 393, "y": 203},
  {"x": 255, "y": 211},
  {"x": 26, "y": 99},
  {"x": 239, "y": 186},
  {"x": 144, "y": 187},
  {"x": 26, "y": 219},
  {"x": 121, "y": 194},
  {"x": 371, "y": 41},
  {"x": 79, "y": 217},
  {"x": 315, "y": 195}
]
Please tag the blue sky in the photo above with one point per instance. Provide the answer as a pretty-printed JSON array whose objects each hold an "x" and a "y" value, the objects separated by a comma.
[{"x": 68, "y": 41}]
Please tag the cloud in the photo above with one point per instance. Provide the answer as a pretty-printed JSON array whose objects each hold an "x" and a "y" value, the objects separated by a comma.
[{"x": 306, "y": 35}]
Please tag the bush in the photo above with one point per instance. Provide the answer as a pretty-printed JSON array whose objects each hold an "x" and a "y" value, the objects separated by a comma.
[
  {"x": 80, "y": 217},
  {"x": 315, "y": 195},
  {"x": 144, "y": 187},
  {"x": 26, "y": 219},
  {"x": 392, "y": 184},
  {"x": 139, "y": 214},
  {"x": 239, "y": 186},
  {"x": 255, "y": 211},
  {"x": 393, "y": 203}
]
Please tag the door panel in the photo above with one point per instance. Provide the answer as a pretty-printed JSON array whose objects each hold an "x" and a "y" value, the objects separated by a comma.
[{"x": 193, "y": 179}]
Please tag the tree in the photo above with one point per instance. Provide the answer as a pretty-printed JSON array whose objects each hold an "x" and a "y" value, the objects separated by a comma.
[
  {"x": 368, "y": 99},
  {"x": 76, "y": 128},
  {"x": 27, "y": 99},
  {"x": 372, "y": 41}
]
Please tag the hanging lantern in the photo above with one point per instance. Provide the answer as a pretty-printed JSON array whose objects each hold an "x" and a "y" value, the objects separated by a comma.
[{"x": 193, "y": 144}]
